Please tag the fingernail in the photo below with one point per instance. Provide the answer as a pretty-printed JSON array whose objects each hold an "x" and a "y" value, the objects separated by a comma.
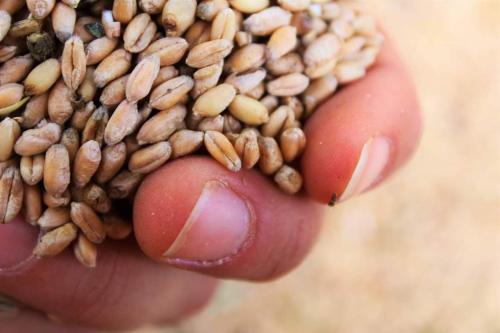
[
  {"x": 8, "y": 307},
  {"x": 372, "y": 162},
  {"x": 217, "y": 228}
]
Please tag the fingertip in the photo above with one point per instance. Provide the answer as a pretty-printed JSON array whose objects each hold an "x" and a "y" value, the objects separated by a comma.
[
  {"x": 195, "y": 214},
  {"x": 363, "y": 134}
]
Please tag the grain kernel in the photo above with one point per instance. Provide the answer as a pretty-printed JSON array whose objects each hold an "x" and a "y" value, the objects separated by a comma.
[
  {"x": 88, "y": 221},
  {"x": 249, "y": 110},
  {"x": 56, "y": 241},
  {"x": 42, "y": 77},
  {"x": 142, "y": 78},
  {"x": 56, "y": 170},
  {"x": 214, "y": 101},
  {"x": 222, "y": 150},
  {"x": 73, "y": 63},
  {"x": 148, "y": 159}
]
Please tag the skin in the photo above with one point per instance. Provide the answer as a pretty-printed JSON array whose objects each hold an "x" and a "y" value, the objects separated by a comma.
[{"x": 159, "y": 293}]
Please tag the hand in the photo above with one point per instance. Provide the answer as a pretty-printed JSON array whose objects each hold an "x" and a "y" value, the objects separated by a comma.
[{"x": 239, "y": 225}]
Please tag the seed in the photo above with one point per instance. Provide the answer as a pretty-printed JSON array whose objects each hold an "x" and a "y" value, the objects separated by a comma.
[
  {"x": 63, "y": 21},
  {"x": 271, "y": 158},
  {"x": 73, "y": 63},
  {"x": 82, "y": 116},
  {"x": 11, "y": 194},
  {"x": 23, "y": 28},
  {"x": 99, "y": 49},
  {"x": 10, "y": 94},
  {"x": 40, "y": 9},
  {"x": 114, "y": 93},
  {"x": 60, "y": 108},
  {"x": 257, "y": 92},
  {"x": 177, "y": 16},
  {"x": 56, "y": 170},
  {"x": 270, "y": 102},
  {"x": 162, "y": 125},
  {"x": 288, "y": 179},
  {"x": 322, "y": 50},
  {"x": 54, "y": 201},
  {"x": 214, "y": 101},
  {"x": 35, "y": 111},
  {"x": 88, "y": 222},
  {"x": 112, "y": 67},
  {"x": 87, "y": 162},
  {"x": 231, "y": 124},
  {"x": 349, "y": 71},
  {"x": 170, "y": 50},
  {"x": 294, "y": 5},
  {"x": 148, "y": 159},
  {"x": 53, "y": 218},
  {"x": 56, "y": 241},
  {"x": 112, "y": 160},
  {"x": 122, "y": 122},
  {"x": 282, "y": 41},
  {"x": 124, "y": 10},
  {"x": 42, "y": 77},
  {"x": 209, "y": 53},
  {"x": 247, "y": 147},
  {"x": 265, "y": 22},
  {"x": 279, "y": 120},
  {"x": 88, "y": 28},
  {"x": 198, "y": 33},
  {"x": 124, "y": 184},
  {"x": 222, "y": 150},
  {"x": 32, "y": 204},
  {"x": 85, "y": 252},
  {"x": 88, "y": 88},
  {"x": 139, "y": 33},
  {"x": 243, "y": 38},
  {"x": 9, "y": 133},
  {"x": 342, "y": 29},
  {"x": 171, "y": 92},
  {"x": 71, "y": 140},
  {"x": 32, "y": 169},
  {"x": 16, "y": 69},
  {"x": 224, "y": 25},
  {"x": 116, "y": 227},
  {"x": 166, "y": 73},
  {"x": 288, "y": 85},
  {"x": 212, "y": 124},
  {"x": 97, "y": 198},
  {"x": 152, "y": 7},
  {"x": 247, "y": 81},
  {"x": 208, "y": 9},
  {"x": 249, "y": 57},
  {"x": 7, "y": 52},
  {"x": 319, "y": 91},
  {"x": 94, "y": 129},
  {"x": 249, "y": 6},
  {"x": 185, "y": 142},
  {"x": 249, "y": 110},
  {"x": 111, "y": 27},
  {"x": 142, "y": 78},
  {"x": 37, "y": 141},
  {"x": 206, "y": 78},
  {"x": 293, "y": 143}
]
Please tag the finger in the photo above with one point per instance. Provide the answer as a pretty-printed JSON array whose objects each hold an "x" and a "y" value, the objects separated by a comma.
[
  {"x": 195, "y": 214},
  {"x": 363, "y": 134},
  {"x": 124, "y": 291},
  {"x": 15, "y": 318}
]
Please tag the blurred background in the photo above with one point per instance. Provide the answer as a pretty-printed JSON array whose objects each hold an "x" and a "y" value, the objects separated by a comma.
[{"x": 420, "y": 254}]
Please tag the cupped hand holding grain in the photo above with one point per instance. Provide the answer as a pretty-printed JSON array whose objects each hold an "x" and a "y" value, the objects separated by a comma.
[{"x": 194, "y": 216}]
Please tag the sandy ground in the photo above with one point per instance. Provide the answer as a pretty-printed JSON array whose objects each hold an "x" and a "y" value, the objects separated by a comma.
[{"x": 420, "y": 254}]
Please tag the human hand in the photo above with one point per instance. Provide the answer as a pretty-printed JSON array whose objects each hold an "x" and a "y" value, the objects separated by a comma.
[{"x": 242, "y": 226}]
